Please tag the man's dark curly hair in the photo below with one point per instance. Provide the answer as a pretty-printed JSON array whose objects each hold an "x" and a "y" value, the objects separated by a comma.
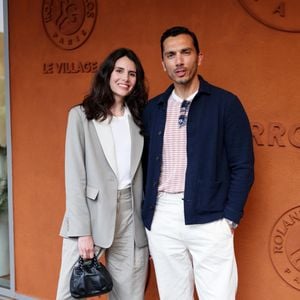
[{"x": 174, "y": 31}]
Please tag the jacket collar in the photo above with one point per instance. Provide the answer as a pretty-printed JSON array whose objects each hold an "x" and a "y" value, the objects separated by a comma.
[{"x": 205, "y": 88}]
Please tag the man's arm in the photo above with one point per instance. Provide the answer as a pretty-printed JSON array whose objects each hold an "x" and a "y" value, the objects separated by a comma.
[{"x": 239, "y": 147}]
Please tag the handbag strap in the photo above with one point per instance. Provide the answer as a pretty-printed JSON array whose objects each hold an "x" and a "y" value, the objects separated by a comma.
[
  {"x": 98, "y": 253},
  {"x": 89, "y": 262}
]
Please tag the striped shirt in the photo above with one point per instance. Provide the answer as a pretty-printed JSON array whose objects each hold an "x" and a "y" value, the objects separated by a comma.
[{"x": 174, "y": 160}]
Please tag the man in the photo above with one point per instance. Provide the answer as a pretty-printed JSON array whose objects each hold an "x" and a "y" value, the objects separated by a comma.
[{"x": 198, "y": 165}]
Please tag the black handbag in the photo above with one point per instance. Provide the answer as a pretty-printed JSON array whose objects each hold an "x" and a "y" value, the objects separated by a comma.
[{"x": 89, "y": 278}]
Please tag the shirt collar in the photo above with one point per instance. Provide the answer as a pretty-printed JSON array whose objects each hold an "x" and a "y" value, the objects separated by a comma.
[{"x": 179, "y": 99}]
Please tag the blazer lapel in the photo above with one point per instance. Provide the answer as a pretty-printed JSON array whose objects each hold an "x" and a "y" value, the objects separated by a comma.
[
  {"x": 137, "y": 143},
  {"x": 105, "y": 137}
]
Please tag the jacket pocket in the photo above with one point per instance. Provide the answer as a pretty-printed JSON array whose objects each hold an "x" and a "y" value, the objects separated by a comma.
[
  {"x": 92, "y": 192},
  {"x": 211, "y": 196}
]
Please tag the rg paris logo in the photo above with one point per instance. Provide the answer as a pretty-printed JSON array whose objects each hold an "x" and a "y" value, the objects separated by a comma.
[
  {"x": 285, "y": 247},
  {"x": 69, "y": 23}
]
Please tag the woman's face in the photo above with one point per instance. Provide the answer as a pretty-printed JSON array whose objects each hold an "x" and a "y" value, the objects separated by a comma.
[{"x": 123, "y": 78}]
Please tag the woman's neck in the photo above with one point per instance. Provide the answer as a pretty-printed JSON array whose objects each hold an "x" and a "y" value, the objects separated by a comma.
[{"x": 118, "y": 109}]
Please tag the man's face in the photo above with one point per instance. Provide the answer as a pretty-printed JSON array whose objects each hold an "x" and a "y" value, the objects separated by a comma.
[{"x": 180, "y": 59}]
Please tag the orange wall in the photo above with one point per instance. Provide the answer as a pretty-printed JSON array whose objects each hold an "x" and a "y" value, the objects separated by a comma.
[{"x": 258, "y": 63}]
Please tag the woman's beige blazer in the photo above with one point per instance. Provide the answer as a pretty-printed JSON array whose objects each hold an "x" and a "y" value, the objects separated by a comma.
[{"x": 91, "y": 181}]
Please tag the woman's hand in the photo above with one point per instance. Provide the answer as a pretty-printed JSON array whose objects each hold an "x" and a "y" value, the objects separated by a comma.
[{"x": 86, "y": 246}]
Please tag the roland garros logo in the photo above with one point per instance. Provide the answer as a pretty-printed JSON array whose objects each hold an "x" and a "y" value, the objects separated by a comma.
[
  {"x": 69, "y": 23},
  {"x": 285, "y": 247}
]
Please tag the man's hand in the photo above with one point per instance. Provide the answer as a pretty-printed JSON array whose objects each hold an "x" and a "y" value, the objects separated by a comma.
[
  {"x": 86, "y": 246},
  {"x": 232, "y": 225}
]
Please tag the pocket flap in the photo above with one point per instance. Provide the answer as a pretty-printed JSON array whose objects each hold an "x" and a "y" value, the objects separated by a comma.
[{"x": 92, "y": 192}]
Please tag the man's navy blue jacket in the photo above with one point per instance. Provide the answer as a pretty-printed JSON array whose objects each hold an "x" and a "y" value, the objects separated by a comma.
[{"x": 220, "y": 157}]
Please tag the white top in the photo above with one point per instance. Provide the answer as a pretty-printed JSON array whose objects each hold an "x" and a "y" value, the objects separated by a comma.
[{"x": 121, "y": 135}]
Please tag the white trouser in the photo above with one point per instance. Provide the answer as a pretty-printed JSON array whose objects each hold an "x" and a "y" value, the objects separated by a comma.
[{"x": 184, "y": 255}]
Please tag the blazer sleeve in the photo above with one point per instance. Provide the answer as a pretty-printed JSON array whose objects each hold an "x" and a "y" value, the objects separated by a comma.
[
  {"x": 239, "y": 148},
  {"x": 77, "y": 212},
  {"x": 146, "y": 134}
]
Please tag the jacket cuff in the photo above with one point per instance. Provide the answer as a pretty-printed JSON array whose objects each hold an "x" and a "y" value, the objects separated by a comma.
[
  {"x": 233, "y": 215},
  {"x": 75, "y": 228}
]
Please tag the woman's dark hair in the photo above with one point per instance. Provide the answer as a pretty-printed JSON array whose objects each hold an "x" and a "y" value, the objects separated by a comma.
[
  {"x": 98, "y": 102},
  {"x": 174, "y": 31}
]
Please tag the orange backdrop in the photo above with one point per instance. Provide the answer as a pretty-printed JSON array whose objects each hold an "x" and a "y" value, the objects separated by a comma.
[{"x": 258, "y": 63}]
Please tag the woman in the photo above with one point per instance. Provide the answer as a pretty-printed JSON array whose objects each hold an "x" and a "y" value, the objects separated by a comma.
[{"x": 104, "y": 178}]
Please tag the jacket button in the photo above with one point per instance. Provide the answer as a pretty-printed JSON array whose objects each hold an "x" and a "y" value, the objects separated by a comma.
[
  {"x": 157, "y": 158},
  {"x": 159, "y": 133},
  {"x": 154, "y": 184}
]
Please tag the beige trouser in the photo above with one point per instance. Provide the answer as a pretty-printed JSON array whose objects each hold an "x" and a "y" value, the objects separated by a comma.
[{"x": 126, "y": 262}]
